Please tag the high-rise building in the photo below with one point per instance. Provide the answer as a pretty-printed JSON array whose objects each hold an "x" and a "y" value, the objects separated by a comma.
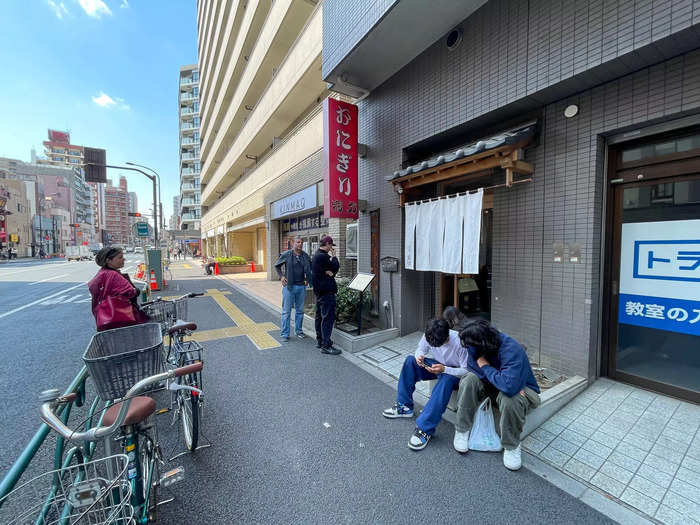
[
  {"x": 133, "y": 208},
  {"x": 189, "y": 210},
  {"x": 85, "y": 208},
  {"x": 175, "y": 217},
  {"x": 262, "y": 130},
  {"x": 117, "y": 212}
]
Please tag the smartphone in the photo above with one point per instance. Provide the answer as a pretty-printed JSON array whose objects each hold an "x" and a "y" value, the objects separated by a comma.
[{"x": 428, "y": 362}]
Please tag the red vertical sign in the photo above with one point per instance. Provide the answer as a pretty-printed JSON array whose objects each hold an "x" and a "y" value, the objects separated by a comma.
[{"x": 340, "y": 156}]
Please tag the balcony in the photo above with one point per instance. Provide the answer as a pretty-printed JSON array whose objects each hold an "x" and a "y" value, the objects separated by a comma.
[
  {"x": 189, "y": 125},
  {"x": 188, "y": 81},
  {"x": 189, "y": 98},
  {"x": 190, "y": 187},
  {"x": 367, "y": 61},
  {"x": 248, "y": 196},
  {"x": 283, "y": 26},
  {"x": 189, "y": 156},
  {"x": 296, "y": 85},
  {"x": 190, "y": 217},
  {"x": 221, "y": 77}
]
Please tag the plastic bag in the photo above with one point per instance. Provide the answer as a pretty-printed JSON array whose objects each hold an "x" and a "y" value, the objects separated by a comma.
[{"x": 483, "y": 435}]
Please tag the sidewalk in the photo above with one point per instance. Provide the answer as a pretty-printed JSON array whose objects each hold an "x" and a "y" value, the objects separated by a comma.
[{"x": 631, "y": 454}]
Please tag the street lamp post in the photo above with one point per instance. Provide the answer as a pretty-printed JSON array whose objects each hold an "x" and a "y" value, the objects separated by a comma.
[
  {"x": 160, "y": 201},
  {"x": 152, "y": 179}
]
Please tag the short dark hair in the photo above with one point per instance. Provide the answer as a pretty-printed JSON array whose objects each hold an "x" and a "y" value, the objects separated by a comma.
[
  {"x": 480, "y": 335},
  {"x": 454, "y": 317},
  {"x": 107, "y": 253},
  {"x": 437, "y": 332}
]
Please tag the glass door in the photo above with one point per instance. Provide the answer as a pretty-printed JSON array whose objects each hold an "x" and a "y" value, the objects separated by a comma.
[{"x": 654, "y": 336}]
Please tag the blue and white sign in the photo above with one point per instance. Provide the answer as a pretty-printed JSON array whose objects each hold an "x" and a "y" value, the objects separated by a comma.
[
  {"x": 298, "y": 202},
  {"x": 660, "y": 275}
]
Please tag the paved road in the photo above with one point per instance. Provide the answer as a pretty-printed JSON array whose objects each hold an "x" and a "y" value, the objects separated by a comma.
[{"x": 298, "y": 436}]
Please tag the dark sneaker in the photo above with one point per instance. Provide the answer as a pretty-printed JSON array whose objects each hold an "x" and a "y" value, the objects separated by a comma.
[
  {"x": 397, "y": 411},
  {"x": 285, "y": 339},
  {"x": 419, "y": 440},
  {"x": 301, "y": 335},
  {"x": 318, "y": 344},
  {"x": 331, "y": 350}
]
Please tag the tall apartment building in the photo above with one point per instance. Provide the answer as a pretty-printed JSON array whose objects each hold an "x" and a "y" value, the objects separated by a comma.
[
  {"x": 86, "y": 206},
  {"x": 133, "y": 208},
  {"x": 117, "y": 205},
  {"x": 262, "y": 129},
  {"x": 175, "y": 217},
  {"x": 189, "y": 212}
]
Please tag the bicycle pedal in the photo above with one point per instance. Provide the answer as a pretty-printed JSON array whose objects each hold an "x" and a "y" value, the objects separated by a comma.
[
  {"x": 172, "y": 476},
  {"x": 162, "y": 411}
]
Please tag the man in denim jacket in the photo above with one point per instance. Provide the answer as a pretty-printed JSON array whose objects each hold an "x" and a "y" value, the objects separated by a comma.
[{"x": 297, "y": 274}]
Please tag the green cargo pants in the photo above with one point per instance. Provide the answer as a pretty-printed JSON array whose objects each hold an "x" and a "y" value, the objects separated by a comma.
[{"x": 513, "y": 409}]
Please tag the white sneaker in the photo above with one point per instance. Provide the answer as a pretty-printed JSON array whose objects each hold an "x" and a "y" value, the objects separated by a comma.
[
  {"x": 511, "y": 458},
  {"x": 461, "y": 441}
]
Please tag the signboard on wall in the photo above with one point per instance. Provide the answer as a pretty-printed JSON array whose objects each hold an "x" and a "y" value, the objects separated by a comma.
[
  {"x": 299, "y": 201},
  {"x": 59, "y": 136},
  {"x": 142, "y": 229},
  {"x": 340, "y": 159},
  {"x": 660, "y": 275}
]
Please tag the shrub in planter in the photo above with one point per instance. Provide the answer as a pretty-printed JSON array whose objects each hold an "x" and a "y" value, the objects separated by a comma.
[
  {"x": 231, "y": 261},
  {"x": 346, "y": 301}
]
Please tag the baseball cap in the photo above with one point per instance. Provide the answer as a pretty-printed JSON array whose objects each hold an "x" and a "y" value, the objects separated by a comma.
[{"x": 327, "y": 239}]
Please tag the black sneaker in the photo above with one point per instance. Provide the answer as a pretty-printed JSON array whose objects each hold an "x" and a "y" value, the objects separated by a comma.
[
  {"x": 419, "y": 440},
  {"x": 331, "y": 350},
  {"x": 318, "y": 344},
  {"x": 301, "y": 335}
]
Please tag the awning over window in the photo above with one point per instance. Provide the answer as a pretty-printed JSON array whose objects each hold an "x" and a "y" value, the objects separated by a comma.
[{"x": 500, "y": 151}]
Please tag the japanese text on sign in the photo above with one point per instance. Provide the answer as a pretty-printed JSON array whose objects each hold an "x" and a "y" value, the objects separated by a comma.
[
  {"x": 660, "y": 276},
  {"x": 340, "y": 150}
]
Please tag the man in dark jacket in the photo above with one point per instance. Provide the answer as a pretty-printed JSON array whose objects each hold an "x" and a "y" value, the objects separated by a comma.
[
  {"x": 323, "y": 268},
  {"x": 498, "y": 366},
  {"x": 297, "y": 266}
]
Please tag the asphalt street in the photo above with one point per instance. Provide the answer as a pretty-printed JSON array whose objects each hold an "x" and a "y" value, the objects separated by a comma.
[{"x": 298, "y": 436}]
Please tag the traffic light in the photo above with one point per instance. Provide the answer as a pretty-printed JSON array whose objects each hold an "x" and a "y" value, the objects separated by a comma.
[{"x": 134, "y": 214}]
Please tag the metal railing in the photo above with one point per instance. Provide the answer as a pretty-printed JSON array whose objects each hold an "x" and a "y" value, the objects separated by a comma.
[{"x": 81, "y": 454}]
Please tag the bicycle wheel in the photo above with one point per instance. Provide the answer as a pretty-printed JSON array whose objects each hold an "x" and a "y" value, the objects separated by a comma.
[
  {"x": 189, "y": 406},
  {"x": 149, "y": 476}
]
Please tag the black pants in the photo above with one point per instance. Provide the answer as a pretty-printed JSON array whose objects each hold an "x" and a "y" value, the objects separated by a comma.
[{"x": 325, "y": 318}]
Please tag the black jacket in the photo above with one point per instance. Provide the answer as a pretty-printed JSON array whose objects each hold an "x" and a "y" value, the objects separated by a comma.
[{"x": 324, "y": 284}]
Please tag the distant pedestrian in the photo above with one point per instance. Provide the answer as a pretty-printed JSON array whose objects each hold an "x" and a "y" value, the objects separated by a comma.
[
  {"x": 324, "y": 268},
  {"x": 179, "y": 253},
  {"x": 42, "y": 253},
  {"x": 297, "y": 274}
]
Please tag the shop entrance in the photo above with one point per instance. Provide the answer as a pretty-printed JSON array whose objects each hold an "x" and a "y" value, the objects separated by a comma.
[
  {"x": 471, "y": 294},
  {"x": 653, "y": 303}
]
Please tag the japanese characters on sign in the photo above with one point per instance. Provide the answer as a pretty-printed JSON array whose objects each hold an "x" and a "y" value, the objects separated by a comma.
[
  {"x": 660, "y": 276},
  {"x": 340, "y": 156}
]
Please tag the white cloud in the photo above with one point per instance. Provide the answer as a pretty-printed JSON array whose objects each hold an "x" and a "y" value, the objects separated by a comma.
[
  {"x": 124, "y": 4},
  {"x": 105, "y": 101},
  {"x": 59, "y": 8},
  {"x": 95, "y": 8}
]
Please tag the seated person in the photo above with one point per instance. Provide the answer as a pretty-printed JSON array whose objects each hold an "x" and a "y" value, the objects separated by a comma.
[
  {"x": 456, "y": 319},
  {"x": 448, "y": 364},
  {"x": 209, "y": 265},
  {"x": 498, "y": 365}
]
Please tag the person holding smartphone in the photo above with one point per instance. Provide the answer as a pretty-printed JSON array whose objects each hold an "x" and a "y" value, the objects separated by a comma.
[
  {"x": 324, "y": 268},
  {"x": 448, "y": 365}
]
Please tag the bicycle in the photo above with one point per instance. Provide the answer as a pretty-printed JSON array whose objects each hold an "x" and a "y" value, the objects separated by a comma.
[
  {"x": 187, "y": 403},
  {"x": 130, "y": 415}
]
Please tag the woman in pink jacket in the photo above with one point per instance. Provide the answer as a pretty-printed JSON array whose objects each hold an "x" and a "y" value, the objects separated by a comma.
[{"x": 110, "y": 282}]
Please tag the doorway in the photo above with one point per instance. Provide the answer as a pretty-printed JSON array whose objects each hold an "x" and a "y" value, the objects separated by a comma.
[{"x": 653, "y": 281}]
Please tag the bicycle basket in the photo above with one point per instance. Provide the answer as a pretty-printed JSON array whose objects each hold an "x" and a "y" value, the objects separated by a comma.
[
  {"x": 95, "y": 492},
  {"x": 181, "y": 308},
  {"x": 162, "y": 312},
  {"x": 118, "y": 359}
]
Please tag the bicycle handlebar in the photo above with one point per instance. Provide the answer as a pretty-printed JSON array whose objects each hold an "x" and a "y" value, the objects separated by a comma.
[
  {"x": 187, "y": 295},
  {"x": 51, "y": 401}
]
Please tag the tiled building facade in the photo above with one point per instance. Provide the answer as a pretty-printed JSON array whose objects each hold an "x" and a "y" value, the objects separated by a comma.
[{"x": 626, "y": 66}]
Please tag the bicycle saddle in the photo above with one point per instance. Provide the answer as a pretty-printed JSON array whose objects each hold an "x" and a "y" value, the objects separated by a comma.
[
  {"x": 141, "y": 407},
  {"x": 182, "y": 325}
]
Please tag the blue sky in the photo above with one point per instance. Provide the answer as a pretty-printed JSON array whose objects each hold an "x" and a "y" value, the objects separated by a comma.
[{"x": 107, "y": 71}]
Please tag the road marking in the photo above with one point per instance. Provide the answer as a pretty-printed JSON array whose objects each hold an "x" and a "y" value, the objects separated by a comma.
[
  {"x": 35, "y": 267},
  {"x": 256, "y": 332},
  {"x": 73, "y": 298},
  {"x": 19, "y": 308},
  {"x": 187, "y": 266},
  {"x": 48, "y": 279}
]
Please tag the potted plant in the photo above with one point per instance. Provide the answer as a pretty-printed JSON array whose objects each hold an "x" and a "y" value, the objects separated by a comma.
[
  {"x": 346, "y": 301},
  {"x": 235, "y": 264}
]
